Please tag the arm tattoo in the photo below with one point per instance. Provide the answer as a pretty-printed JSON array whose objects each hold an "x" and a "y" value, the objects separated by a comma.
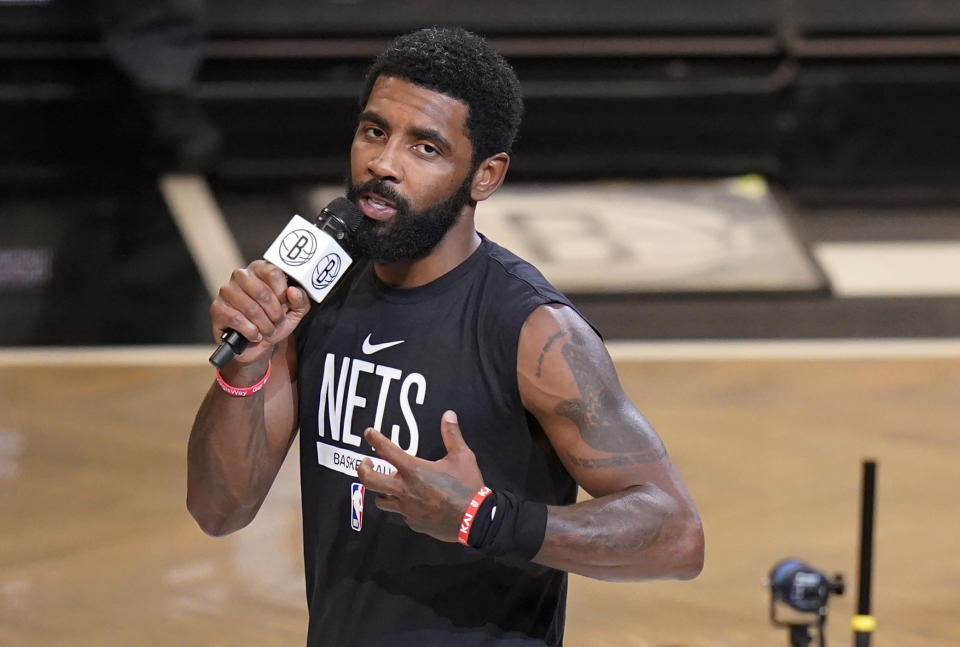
[
  {"x": 546, "y": 347},
  {"x": 600, "y": 541},
  {"x": 618, "y": 460},
  {"x": 638, "y": 527},
  {"x": 441, "y": 510},
  {"x": 597, "y": 413}
]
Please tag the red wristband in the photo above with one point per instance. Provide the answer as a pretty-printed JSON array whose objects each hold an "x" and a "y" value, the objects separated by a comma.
[
  {"x": 470, "y": 514},
  {"x": 243, "y": 391}
]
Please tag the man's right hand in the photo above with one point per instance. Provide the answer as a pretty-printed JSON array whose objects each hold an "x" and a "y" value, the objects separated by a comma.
[{"x": 258, "y": 304}]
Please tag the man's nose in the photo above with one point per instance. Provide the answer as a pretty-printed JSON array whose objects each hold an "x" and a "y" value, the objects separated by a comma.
[{"x": 386, "y": 164}]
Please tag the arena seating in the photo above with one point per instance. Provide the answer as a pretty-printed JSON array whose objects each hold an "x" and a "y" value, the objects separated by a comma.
[{"x": 824, "y": 96}]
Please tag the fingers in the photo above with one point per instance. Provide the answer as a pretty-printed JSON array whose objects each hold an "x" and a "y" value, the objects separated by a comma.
[
  {"x": 223, "y": 316},
  {"x": 246, "y": 312},
  {"x": 269, "y": 274},
  {"x": 450, "y": 432},
  {"x": 374, "y": 481},
  {"x": 387, "y": 503},
  {"x": 297, "y": 301},
  {"x": 388, "y": 450},
  {"x": 253, "y": 302}
]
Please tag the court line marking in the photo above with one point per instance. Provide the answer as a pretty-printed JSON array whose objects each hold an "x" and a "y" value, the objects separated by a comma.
[
  {"x": 203, "y": 227},
  {"x": 708, "y": 350},
  {"x": 792, "y": 349},
  {"x": 106, "y": 356},
  {"x": 903, "y": 268}
]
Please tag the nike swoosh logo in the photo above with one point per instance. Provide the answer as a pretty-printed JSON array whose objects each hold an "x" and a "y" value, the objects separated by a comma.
[{"x": 369, "y": 348}]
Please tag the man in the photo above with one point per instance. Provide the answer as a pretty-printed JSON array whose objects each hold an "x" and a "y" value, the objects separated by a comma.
[{"x": 447, "y": 382}]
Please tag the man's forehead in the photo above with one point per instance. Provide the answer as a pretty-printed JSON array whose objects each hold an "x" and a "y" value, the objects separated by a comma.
[{"x": 436, "y": 106}]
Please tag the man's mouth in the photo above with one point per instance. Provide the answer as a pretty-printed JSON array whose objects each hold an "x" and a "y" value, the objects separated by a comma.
[{"x": 376, "y": 207}]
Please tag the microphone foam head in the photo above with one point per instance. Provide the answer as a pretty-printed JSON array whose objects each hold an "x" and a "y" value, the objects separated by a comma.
[{"x": 346, "y": 212}]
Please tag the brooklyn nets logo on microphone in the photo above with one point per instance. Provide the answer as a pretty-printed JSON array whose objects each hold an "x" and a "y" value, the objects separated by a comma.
[
  {"x": 298, "y": 247},
  {"x": 326, "y": 270}
]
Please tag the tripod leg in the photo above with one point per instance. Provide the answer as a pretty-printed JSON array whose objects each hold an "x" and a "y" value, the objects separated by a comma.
[{"x": 799, "y": 636}]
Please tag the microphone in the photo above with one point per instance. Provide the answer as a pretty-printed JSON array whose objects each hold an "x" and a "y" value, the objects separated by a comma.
[{"x": 315, "y": 255}]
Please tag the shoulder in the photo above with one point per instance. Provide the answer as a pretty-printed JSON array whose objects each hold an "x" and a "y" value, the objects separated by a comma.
[
  {"x": 514, "y": 288},
  {"x": 517, "y": 272},
  {"x": 520, "y": 298},
  {"x": 555, "y": 324}
]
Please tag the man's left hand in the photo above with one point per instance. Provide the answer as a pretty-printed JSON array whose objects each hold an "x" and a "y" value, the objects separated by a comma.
[{"x": 430, "y": 495}]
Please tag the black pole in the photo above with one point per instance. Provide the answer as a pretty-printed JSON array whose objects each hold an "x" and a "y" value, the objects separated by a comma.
[{"x": 863, "y": 622}]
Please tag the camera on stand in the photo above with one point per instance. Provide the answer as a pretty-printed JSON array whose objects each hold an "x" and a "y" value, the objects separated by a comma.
[{"x": 806, "y": 591}]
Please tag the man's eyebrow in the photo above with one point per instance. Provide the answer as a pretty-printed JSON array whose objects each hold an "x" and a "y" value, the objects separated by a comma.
[
  {"x": 433, "y": 136},
  {"x": 429, "y": 134},
  {"x": 370, "y": 115}
]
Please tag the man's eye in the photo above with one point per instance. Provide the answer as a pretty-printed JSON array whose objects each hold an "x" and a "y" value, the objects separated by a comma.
[
  {"x": 373, "y": 131},
  {"x": 427, "y": 149}
]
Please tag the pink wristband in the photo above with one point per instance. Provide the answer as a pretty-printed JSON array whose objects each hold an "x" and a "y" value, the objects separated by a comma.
[
  {"x": 471, "y": 513},
  {"x": 243, "y": 391}
]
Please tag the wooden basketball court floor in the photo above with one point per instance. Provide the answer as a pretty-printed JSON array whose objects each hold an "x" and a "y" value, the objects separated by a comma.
[{"x": 97, "y": 548}]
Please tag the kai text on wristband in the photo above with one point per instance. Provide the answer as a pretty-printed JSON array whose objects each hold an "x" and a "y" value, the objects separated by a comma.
[
  {"x": 470, "y": 514},
  {"x": 243, "y": 391}
]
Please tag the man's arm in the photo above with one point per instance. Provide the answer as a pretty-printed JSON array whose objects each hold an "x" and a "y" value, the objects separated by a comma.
[
  {"x": 642, "y": 522},
  {"x": 237, "y": 444}
]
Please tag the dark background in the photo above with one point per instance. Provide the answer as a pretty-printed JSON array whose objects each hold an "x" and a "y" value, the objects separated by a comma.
[{"x": 840, "y": 105}]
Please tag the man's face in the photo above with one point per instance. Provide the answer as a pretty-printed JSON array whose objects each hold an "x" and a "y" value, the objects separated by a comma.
[{"x": 410, "y": 169}]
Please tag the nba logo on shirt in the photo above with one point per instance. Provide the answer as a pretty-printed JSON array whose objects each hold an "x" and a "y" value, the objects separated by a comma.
[{"x": 356, "y": 506}]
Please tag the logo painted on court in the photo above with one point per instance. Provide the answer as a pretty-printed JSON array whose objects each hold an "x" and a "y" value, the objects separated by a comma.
[
  {"x": 298, "y": 247},
  {"x": 356, "y": 505},
  {"x": 326, "y": 270}
]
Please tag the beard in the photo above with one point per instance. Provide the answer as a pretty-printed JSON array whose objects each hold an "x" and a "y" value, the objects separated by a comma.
[{"x": 409, "y": 235}]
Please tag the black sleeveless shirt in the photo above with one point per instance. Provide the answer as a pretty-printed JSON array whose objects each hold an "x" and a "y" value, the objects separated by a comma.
[{"x": 396, "y": 359}]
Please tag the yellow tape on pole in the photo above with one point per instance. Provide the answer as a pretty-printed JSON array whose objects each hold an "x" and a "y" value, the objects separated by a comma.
[{"x": 864, "y": 624}]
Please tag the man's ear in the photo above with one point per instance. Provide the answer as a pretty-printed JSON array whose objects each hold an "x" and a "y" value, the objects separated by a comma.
[{"x": 489, "y": 176}]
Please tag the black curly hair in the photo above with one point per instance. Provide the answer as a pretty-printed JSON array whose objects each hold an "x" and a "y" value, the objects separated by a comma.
[{"x": 461, "y": 65}]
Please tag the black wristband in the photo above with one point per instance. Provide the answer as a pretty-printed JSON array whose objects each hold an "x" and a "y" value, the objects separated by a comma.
[{"x": 505, "y": 525}]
